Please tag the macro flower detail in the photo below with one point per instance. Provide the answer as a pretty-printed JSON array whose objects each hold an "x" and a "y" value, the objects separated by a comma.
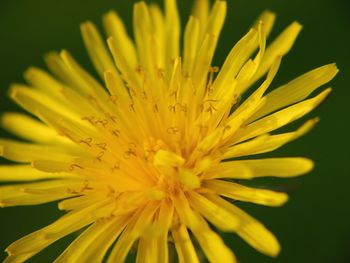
[{"x": 155, "y": 151}]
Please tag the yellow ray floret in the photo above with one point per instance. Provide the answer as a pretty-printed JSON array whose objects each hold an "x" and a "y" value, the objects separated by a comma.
[{"x": 150, "y": 154}]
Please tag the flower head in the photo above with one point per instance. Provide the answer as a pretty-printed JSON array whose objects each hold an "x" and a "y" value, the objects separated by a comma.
[{"x": 148, "y": 154}]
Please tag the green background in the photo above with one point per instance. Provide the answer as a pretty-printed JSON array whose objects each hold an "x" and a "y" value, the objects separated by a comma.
[{"x": 314, "y": 226}]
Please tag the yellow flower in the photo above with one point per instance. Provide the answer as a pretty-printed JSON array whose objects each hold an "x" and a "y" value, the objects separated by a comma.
[{"x": 147, "y": 155}]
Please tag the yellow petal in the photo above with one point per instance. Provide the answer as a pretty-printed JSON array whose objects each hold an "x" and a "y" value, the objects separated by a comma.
[
  {"x": 279, "y": 47},
  {"x": 82, "y": 80},
  {"x": 252, "y": 104},
  {"x": 216, "y": 18},
  {"x": 268, "y": 19},
  {"x": 282, "y": 117},
  {"x": 58, "y": 68},
  {"x": 115, "y": 28},
  {"x": 72, "y": 186},
  {"x": 36, "y": 193},
  {"x": 117, "y": 88},
  {"x": 258, "y": 93},
  {"x": 211, "y": 243},
  {"x": 96, "y": 48},
  {"x": 25, "y": 173},
  {"x": 248, "y": 169},
  {"x": 165, "y": 216},
  {"x": 18, "y": 258},
  {"x": 227, "y": 94},
  {"x": 67, "y": 69},
  {"x": 128, "y": 72},
  {"x": 168, "y": 159},
  {"x": 93, "y": 243},
  {"x": 158, "y": 23},
  {"x": 214, "y": 248},
  {"x": 162, "y": 253},
  {"x": 23, "y": 126},
  {"x": 143, "y": 31},
  {"x": 246, "y": 194},
  {"x": 202, "y": 64},
  {"x": 250, "y": 67},
  {"x": 44, "y": 82},
  {"x": 153, "y": 245},
  {"x": 210, "y": 141},
  {"x": 191, "y": 219},
  {"x": 207, "y": 47},
  {"x": 71, "y": 222},
  {"x": 251, "y": 230},
  {"x": 54, "y": 167},
  {"x": 147, "y": 250},
  {"x": 80, "y": 202},
  {"x": 33, "y": 101},
  {"x": 233, "y": 169},
  {"x": 296, "y": 90},
  {"x": 267, "y": 143},
  {"x": 213, "y": 213},
  {"x": 189, "y": 179},
  {"x": 238, "y": 55},
  {"x": 200, "y": 11},
  {"x": 184, "y": 246},
  {"x": 191, "y": 39},
  {"x": 27, "y": 152},
  {"x": 133, "y": 231},
  {"x": 79, "y": 104},
  {"x": 172, "y": 32}
]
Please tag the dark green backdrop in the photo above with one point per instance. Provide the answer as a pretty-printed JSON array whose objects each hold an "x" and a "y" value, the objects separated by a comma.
[{"x": 314, "y": 226}]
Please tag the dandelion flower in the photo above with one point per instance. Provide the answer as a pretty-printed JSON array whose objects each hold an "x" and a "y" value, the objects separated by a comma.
[{"x": 151, "y": 153}]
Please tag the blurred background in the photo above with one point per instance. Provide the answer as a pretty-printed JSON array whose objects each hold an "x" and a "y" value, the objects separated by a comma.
[{"x": 314, "y": 226}]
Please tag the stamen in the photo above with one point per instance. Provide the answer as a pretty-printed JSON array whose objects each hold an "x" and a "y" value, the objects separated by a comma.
[
  {"x": 99, "y": 156},
  {"x": 115, "y": 132},
  {"x": 102, "y": 146},
  {"x": 115, "y": 167},
  {"x": 86, "y": 141},
  {"x": 111, "y": 117},
  {"x": 129, "y": 153},
  {"x": 155, "y": 107},
  {"x": 103, "y": 122},
  {"x": 74, "y": 165},
  {"x": 208, "y": 106},
  {"x": 90, "y": 119}
]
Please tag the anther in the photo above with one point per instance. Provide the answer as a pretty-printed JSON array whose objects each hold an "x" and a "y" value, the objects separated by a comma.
[
  {"x": 103, "y": 122},
  {"x": 73, "y": 166},
  {"x": 86, "y": 187},
  {"x": 130, "y": 152},
  {"x": 90, "y": 119},
  {"x": 99, "y": 156},
  {"x": 116, "y": 133},
  {"x": 161, "y": 73},
  {"x": 115, "y": 167},
  {"x": 112, "y": 118},
  {"x": 144, "y": 95},
  {"x": 86, "y": 141},
  {"x": 212, "y": 70},
  {"x": 155, "y": 107},
  {"x": 102, "y": 146}
]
